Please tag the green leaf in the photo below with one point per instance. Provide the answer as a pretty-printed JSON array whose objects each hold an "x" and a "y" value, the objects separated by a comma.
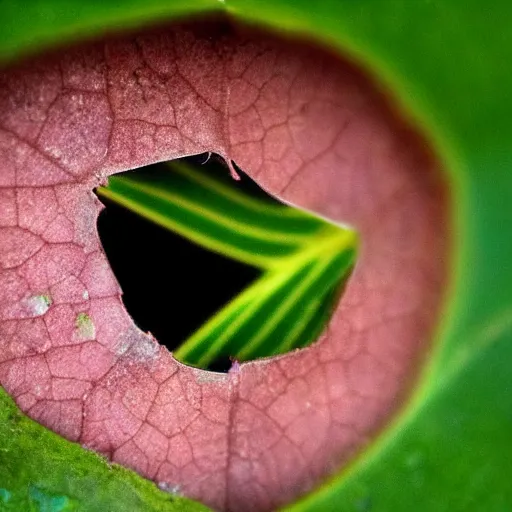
[
  {"x": 27, "y": 26},
  {"x": 305, "y": 260},
  {"x": 214, "y": 214},
  {"x": 42, "y": 472}
]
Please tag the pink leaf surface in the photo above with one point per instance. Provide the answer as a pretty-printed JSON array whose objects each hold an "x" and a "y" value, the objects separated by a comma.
[{"x": 311, "y": 129}]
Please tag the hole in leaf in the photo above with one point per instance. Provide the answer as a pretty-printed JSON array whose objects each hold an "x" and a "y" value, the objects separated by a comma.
[{"x": 216, "y": 269}]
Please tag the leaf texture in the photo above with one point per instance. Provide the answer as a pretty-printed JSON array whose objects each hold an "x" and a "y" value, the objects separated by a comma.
[{"x": 315, "y": 131}]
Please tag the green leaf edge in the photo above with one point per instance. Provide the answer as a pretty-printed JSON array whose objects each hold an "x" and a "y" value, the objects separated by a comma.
[{"x": 37, "y": 463}]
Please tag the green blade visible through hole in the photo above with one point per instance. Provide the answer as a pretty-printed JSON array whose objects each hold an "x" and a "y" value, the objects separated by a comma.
[{"x": 304, "y": 260}]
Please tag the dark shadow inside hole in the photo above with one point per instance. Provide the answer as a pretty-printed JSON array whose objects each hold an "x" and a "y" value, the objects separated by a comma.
[{"x": 171, "y": 286}]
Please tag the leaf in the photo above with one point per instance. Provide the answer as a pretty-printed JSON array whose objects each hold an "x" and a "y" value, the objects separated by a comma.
[
  {"x": 428, "y": 61},
  {"x": 305, "y": 261},
  {"x": 50, "y": 23},
  {"x": 354, "y": 162},
  {"x": 40, "y": 471}
]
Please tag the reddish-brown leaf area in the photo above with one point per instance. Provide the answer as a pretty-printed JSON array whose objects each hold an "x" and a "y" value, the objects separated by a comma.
[{"x": 311, "y": 129}]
